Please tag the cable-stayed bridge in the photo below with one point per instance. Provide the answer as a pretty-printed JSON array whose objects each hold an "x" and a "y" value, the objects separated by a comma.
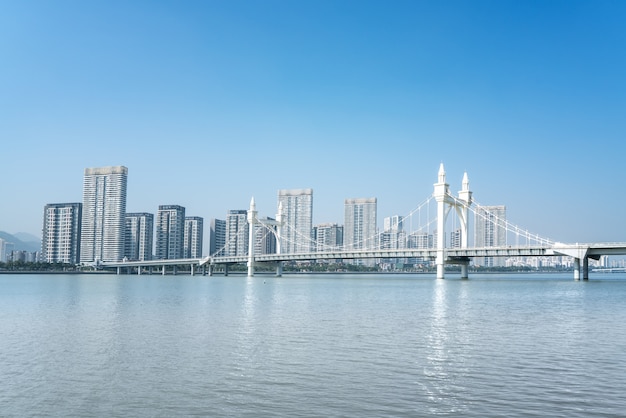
[{"x": 425, "y": 241}]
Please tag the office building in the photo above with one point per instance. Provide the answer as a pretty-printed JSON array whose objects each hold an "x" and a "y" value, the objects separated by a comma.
[
  {"x": 194, "y": 231},
  {"x": 139, "y": 236},
  {"x": 490, "y": 231},
  {"x": 61, "y": 233},
  {"x": 217, "y": 237},
  {"x": 297, "y": 230},
  {"x": 237, "y": 232},
  {"x": 104, "y": 214},
  {"x": 170, "y": 231}
]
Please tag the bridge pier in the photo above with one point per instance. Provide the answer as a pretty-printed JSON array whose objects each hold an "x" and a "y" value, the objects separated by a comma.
[
  {"x": 139, "y": 271},
  {"x": 118, "y": 271},
  {"x": 193, "y": 272},
  {"x": 225, "y": 270},
  {"x": 576, "y": 269},
  {"x": 163, "y": 270},
  {"x": 585, "y": 268},
  {"x": 279, "y": 269},
  {"x": 210, "y": 272},
  {"x": 464, "y": 270}
]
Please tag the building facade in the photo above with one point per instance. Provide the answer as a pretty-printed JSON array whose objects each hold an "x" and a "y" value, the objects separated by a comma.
[
  {"x": 170, "y": 231},
  {"x": 139, "y": 236},
  {"x": 104, "y": 214},
  {"x": 217, "y": 237},
  {"x": 360, "y": 224},
  {"x": 328, "y": 237},
  {"x": 194, "y": 231},
  {"x": 490, "y": 231},
  {"x": 237, "y": 232},
  {"x": 297, "y": 230},
  {"x": 61, "y": 233}
]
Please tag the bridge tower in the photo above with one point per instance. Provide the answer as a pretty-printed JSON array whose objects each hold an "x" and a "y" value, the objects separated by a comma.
[{"x": 445, "y": 201}]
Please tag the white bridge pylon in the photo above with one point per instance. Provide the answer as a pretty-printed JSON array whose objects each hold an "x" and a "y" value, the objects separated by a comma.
[{"x": 445, "y": 202}]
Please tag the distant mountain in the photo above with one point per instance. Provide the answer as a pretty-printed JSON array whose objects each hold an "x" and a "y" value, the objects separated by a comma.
[
  {"x": 26, "y": 237},
  {"x": 28, "y": 243}
]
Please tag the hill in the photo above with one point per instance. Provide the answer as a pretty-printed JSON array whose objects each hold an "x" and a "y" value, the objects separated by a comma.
[{"x": 30, "y": 243}]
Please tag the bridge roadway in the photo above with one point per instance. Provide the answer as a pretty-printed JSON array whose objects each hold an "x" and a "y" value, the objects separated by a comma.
[{"x": 580, "y": 252}]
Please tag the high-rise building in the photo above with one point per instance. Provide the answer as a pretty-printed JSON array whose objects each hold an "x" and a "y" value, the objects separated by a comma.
[
  {"x": 217, "y": 237},
  {"x": 297, "y": 230},
  {"x": 237, "y": 232},
  {"x": 264, "y": 238},
  {"x": 61, "y": 233},
  {"x": 104, "y": 214},
  {"x": 170, "y": 231},
  {"x": 360, "y": 224},
  {"x": 6, "y": 250},
  {"x": 139, "y": 236},
  {"x": 328, "y": 237},
  {"x": 490, "y": 231},
  {"x": 194, "y": 231},
  {"x": 393, "y": 223}
]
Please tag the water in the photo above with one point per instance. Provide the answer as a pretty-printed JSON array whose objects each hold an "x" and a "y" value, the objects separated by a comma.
[{"x": 309, "y": 346}]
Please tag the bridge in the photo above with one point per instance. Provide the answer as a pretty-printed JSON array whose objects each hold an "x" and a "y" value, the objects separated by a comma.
[{"x": 373, "y": 247}]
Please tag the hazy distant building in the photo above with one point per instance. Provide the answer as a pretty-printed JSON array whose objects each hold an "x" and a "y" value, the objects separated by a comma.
[
  {"x": 237, "y": 232},
  {"x": 139, "y": 236},
  {"x": 170, "y": 230},
  {"x": 297, "y": 230},
  {"x": 104, "y": 214},
  {"x": 6, "y": 250},
  {"x": 328, "y": 237},
  {"x": 194, "y": 231},
  {"x": 360, "y": 224},
  {"x": 455, "y": 238},
  {"x": 217, "y": 237},
  {"x": 490, "y": 231},
  {"x": 61, "y": 233},
  {"x": 264, "y": 238}
]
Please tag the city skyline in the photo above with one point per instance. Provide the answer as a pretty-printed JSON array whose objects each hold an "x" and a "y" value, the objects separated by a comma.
[{"x": 348, "y": 99}]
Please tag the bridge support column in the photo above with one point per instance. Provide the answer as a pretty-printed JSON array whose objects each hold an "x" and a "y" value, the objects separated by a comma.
[
  {"x": 464, "y": 270},
  {"x": 576, "y": 268},
  {"x": 163, "y": 270},
  {"x": 210, "y": 268},
  {"x": 139, "y": 271},
  {"x": 585, "y": 268},
  {"x": 193, "y": 270},
  {"x": 225, "y": 270},
  {"x": 279, "y": 269}
]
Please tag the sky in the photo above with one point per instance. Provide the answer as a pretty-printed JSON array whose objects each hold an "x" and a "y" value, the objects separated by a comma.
[{"x": 211, "y": 103}]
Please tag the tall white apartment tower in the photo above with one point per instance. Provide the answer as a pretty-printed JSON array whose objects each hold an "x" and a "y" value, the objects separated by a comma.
[
  {"x": 170, "y": 230},
  {"x": 297, "y": 229},
  {"x": 139, "y": 236},
  {"x": 360, "y": 224},
  {"x": 490, "y": 231},
  {"x": 104, "y": 214},
  {"x": 194, "y": 231},
  {"x": 61, "y": 233},
  {"x": 237, "y": 232}
]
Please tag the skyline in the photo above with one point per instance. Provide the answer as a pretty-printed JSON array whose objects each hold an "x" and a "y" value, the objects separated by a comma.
[{"x": 210, "y": 104}]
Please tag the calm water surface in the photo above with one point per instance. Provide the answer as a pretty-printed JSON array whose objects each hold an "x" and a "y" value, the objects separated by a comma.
[{"x": 312, "y": 346}]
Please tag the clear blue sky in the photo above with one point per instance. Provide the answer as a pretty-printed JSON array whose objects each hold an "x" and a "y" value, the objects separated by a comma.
[{"x": 209, "y": 103}]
